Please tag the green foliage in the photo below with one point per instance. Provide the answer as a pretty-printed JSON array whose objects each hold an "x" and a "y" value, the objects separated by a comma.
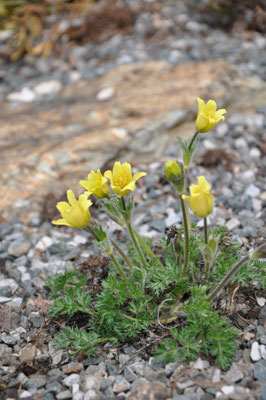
[
  {"x": 120, "y": 311},
  {"x": 206, "y": 333}
]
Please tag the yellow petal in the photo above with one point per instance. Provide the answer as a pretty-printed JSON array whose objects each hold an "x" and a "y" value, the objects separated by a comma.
[
  {"x": 62, "y": 206},
  {"x": 220, "y": 112},
  {"x": 108, "y": 174},
  {"x": 201, "y": 105},
  {"x": 138, "y": 175},
  {"x": 117, "y": 170},
  {"x": 194, "y": 189},
  {"x": 201, "y": 122},
  {"x": 203, "y": 184},
  {"x": 211, "y": 106},
  {"x": 61, "y": 222},
  {"x": 71, "y": 198},
  {"x": 85, "y": 184},
  {"x": 126, "y": 167}
]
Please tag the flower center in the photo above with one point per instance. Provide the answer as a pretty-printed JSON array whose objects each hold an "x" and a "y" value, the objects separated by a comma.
[{"x": 120, "y": 181}]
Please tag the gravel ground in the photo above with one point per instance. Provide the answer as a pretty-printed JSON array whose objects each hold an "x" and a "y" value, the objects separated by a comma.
[{"x": 30, "y": 367}]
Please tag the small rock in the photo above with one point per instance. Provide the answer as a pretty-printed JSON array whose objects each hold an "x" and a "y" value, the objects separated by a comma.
[
  {"x": 91, "y": 395},
  {"x": 105, "y": 94},
  {"x": 261, "y": 301},
  {"x": 216, "y": 375},
  {"x": 92, "y": 382},
  {"x": 232, "y": 224},
  {"x": 260, "y": 370},
  {"x": 36, "y": 319},
  {"x": 252, "y": 191},
  {"x": 26, "y": 95},
  {"x": 129, "y": 375},
  {"x": 35, "y": 382},
  {"x": 17, "y": 249},
  {"x": 234, "y": 374},
  {"x": 71, "y": 380},
  {"x": 201, "y": 364},
  {"x": 66, "y": 394},
  {"x": 227, "y": 390},
  {"x": 255, "y": 153},
  {"x": 262, "y": 349},
  {"x": 43, "y": 243},
  {"x": 255, "y": 353},
  {"x": 48, "y": 87},
  {"x": 150, "y": 391},
  {"x": 28, "y": 353},
  {"x": 8, "y": 287},
  {"x": 121, "y": 384},
  {"x": 10, "y": 339}
]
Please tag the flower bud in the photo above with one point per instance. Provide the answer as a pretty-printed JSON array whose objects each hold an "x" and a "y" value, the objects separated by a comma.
[{"x": 173, "y": 172}]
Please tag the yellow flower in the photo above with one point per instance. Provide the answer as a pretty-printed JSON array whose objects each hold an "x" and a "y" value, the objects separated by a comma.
[
  {"x": 208, "y": 115},
  {"x": 76, "y": 213},
  {"x": 121, "y": 178},
  {"x": 200, "y": 199},
  {"x": 96, "y": 184}
]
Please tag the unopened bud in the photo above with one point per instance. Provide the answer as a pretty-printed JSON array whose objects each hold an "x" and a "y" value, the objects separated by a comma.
[{"x": 173, "y": 172}]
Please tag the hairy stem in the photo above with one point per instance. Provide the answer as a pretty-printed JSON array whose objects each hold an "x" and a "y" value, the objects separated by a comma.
[
  {"x": 186, "y": 257},
  {"x": 122, "y": 253},
  {"x": 118, "y": 266},
  {"x": 146, "y": 247},
  {"x": 257, "y": 253},
  {"x": 192, "y": 140},
  {"x": 135, "y": 242},
  {"x": 205, "y": 230}
]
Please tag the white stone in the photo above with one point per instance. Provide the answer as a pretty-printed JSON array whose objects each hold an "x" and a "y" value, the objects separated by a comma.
[
  {"x": 120, "y": 133},
  {"x": 10, "y": 283},
  {"x": 92, "y": 382},
  {"x": 216, "y": 375},
  {"x": 252, "y": 191},
  {"x": 256, "y": 204},
  {"x": 37, "y": 264},
  {"x": 74, "y": 76},
  {"x": 241, "y": 143},
  {"x": 255, "y": 352},
  {"x": 25, "y": 395},
  {"x": 79, "y": 239},
  {"x": 48, "y": 87},
  {"x": 255, "y": 153},
  {"x": 247, "y": 176},
  {"x": 78, "y": 396},
  {"x": 105, "y": 94},
  {"x": 43, "y": 243},
  {"x": 26, "y": 95},
  {"x": 75, "y": 388},
  {"x": 262, "y": 349},
  {"x": 209, "y": 145},
  {"x": 261, "y": 301},
  {"x": 201, "y": 364},
  {"x": 225, "y": 390},
  {"x": 4, "y": 299},
  {"x": 90, "y": 395},
  {"x": 71, "y": 380},
  {"x": 232, "y": 224}
]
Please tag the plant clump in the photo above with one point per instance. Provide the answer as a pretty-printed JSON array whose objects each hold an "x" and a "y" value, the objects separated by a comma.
[{"x": 142, "y": 291}]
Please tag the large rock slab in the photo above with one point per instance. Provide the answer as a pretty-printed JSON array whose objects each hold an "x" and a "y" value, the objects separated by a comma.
[{"x": 47, "y": 146}]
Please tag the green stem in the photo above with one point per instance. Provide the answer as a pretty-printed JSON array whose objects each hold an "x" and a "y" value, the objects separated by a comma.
[
  {"x": 186, "y": 202},
  {"x": 111, "y": 255},
  {"x": 192, "y": 140},
  {"x": 138, "y": 249},
  {"x": 146, "y": 247},
  {"x": 231, "y": 273},
  {"x": 121, "y": 252},
  {"x": 127, "y": 316},
  {"x": 205, "y": 230},
  {"x": 186, "y": 259}
]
